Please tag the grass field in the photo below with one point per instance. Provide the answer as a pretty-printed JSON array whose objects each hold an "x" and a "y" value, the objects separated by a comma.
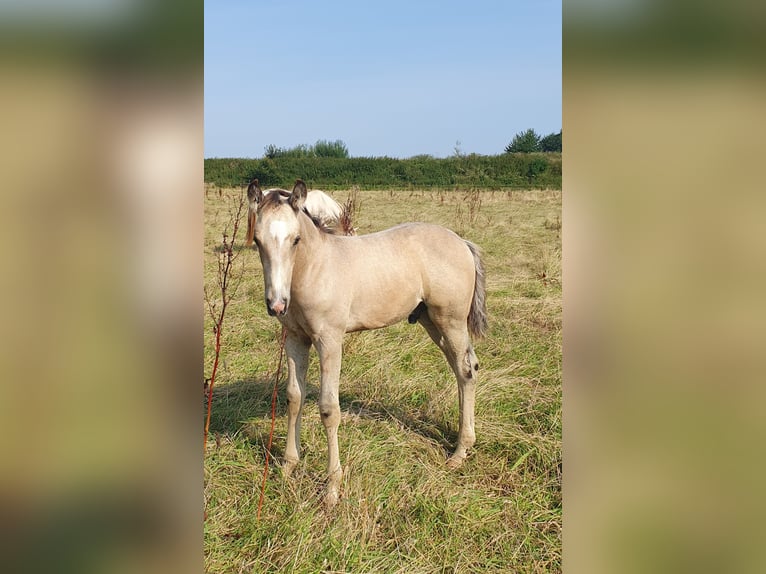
[{"x": 401, "y": 509}]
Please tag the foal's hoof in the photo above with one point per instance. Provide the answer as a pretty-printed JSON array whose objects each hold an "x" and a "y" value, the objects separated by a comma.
[
  {"x": 288, "y": 467},
  {"x": 455, "y": 461},
  {"x": 330, "y": 499},
  {"x": 332, "y": 490}
]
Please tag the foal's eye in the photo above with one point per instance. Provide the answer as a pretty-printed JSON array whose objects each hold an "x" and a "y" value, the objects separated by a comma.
[{"x": 297, "y": 239}]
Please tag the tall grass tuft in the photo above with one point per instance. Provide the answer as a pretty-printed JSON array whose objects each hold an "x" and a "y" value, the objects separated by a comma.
[{"x": 350, "y": 209}]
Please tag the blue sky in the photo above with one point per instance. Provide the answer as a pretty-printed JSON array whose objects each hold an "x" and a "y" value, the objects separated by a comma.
[{"x": 394, "y": 78}]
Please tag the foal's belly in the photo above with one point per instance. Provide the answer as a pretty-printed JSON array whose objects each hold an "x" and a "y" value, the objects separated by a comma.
[
  {"x": 376, "y": 313},
  {"x": 369, "y": 323}
]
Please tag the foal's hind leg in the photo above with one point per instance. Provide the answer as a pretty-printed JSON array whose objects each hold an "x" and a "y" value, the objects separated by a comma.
[
  {"x": 455, "y": 342},
  {"x": 297, "y": 350}
]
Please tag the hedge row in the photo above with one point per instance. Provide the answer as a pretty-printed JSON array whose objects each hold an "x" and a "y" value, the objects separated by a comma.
[{"x": 507, "y": 171}]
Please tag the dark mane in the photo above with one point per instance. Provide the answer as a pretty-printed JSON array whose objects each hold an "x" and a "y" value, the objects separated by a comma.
[{"x": 319, "y": 225}]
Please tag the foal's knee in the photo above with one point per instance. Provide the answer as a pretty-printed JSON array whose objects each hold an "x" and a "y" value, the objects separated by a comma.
[
  {"x": 294, "y": 397},
  {"x": 329, "y": 410}
]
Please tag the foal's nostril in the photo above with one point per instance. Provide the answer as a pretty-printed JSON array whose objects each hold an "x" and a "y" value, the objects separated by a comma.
[{"x": 278, "y": 308}]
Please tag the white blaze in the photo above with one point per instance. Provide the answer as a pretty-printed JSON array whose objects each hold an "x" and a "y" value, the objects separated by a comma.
[{"x": 278, "y": 230}]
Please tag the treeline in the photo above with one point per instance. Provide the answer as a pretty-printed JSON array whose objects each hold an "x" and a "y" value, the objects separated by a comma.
[{"x": 505, "y": 171}]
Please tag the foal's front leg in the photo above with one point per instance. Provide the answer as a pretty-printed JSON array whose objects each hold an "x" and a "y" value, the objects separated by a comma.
[
  {"x": 297, "y": 350},
  {"x": 329, "y": 347}
]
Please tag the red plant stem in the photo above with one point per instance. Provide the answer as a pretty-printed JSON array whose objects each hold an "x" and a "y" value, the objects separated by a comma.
[
  {"x": 218, "y": 328},
  {"x": 223, "y": 274},
  {"x": 212, "y": 378},
  {"x": 273, "y": 419}
]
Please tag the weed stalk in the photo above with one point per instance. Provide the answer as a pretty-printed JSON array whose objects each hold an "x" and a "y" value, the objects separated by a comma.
[{"x": 228, "y": 281}]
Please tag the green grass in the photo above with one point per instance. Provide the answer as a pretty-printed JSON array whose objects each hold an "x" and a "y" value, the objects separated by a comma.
[{"x": 401, "y": 510}]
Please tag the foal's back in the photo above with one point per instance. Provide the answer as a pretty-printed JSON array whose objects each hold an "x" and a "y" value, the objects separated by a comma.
[{"x": 396, "y": 269}]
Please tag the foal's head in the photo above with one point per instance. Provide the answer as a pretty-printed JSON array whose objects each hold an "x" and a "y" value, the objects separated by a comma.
[{"x": 277, "y": 234}]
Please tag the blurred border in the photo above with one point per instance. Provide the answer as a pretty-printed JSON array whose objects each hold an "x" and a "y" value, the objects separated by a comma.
[
  {"x": 101, "y": 228},
  {"x": 664, "y": 280},
  {"x": 102, "y": 159}
]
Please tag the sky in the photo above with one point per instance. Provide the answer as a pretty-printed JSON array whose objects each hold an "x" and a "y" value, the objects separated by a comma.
[{"x": 389, "y": 78}]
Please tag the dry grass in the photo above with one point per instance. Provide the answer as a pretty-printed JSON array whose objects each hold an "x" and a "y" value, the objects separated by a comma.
[{"x": 402, "y": 510}]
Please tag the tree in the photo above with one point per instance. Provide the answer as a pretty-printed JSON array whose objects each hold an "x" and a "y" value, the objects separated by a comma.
[
  {"x": 524, "y": 142},
  {"x": 551, "y": 142}
]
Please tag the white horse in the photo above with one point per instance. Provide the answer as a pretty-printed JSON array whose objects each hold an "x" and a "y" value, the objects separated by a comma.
[
  {"x": 321, "y": 285},
  {"x": 318, "y": 204}
]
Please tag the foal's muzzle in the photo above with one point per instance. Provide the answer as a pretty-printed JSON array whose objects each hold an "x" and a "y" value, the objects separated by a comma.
[{"x": 277, "y": 308}]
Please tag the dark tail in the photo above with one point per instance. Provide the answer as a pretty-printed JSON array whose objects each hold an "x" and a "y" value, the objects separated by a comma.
[{"x": 477, "y": 316}]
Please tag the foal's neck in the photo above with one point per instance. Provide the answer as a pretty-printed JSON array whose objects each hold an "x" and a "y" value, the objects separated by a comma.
[{"x": 312, "y": 237}]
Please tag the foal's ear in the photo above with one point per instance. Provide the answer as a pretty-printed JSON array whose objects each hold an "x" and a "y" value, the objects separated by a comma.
[
  {"x": 298, "y": 196},
  {"x": 254, "y": 192}
]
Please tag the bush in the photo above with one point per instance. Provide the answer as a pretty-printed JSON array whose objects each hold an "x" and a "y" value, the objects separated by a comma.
[
  {"x": 524, "y": 142},
  {"x": 322, "y": 148},
  {"x": 536, "y": 167},
  {"x": 325, "y": 148}
]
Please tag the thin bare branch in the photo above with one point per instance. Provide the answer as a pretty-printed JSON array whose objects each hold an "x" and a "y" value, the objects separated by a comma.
[{"x": 227, "y": 285}]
